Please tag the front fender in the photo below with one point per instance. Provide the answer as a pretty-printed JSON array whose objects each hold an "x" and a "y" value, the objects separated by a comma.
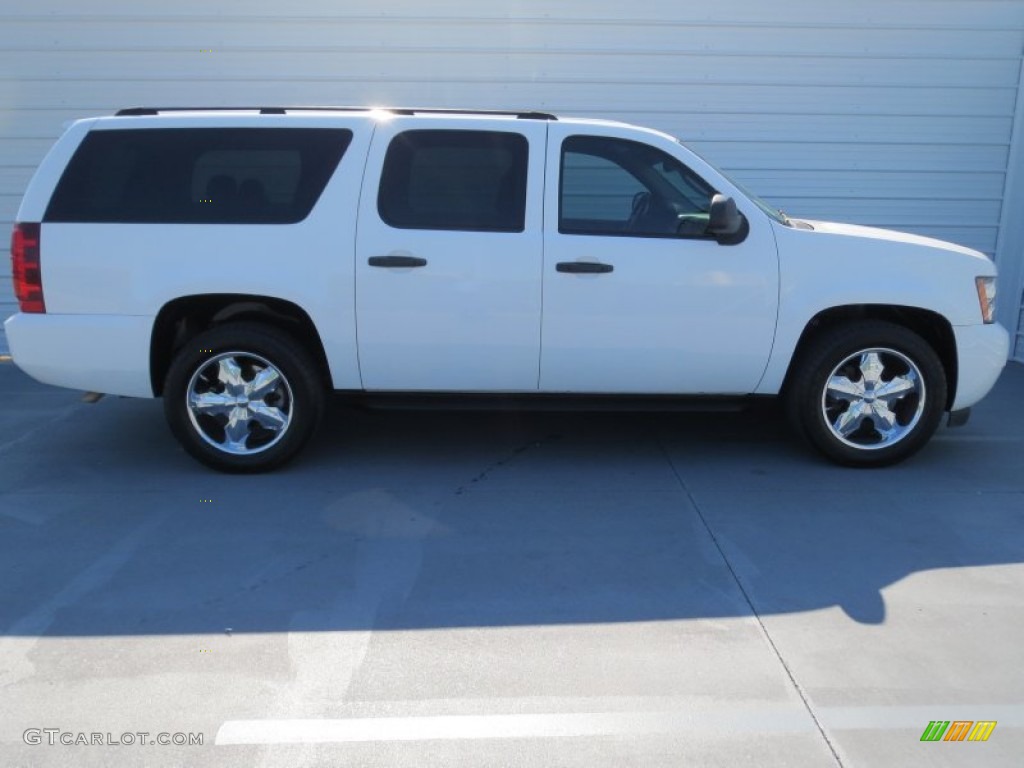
[{"x": 843, "y": 266}]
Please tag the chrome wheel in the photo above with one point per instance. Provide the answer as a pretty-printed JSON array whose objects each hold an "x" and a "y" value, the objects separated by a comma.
[
  {"x": 873, "y": 399},
  {"x": 240, "y": 403}
]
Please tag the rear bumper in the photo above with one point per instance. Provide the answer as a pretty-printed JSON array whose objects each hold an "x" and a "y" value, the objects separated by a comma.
[
  {"x": 981, "y": 356},
  {"x": 100, "y": 353}
]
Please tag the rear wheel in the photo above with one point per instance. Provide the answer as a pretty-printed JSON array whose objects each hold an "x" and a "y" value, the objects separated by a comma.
[
  {"x": 243, "y": 397},
  {"x": 869, "y": 394}
]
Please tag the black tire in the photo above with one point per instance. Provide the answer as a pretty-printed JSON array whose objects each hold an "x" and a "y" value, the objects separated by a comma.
[
  {"x": 296, "y": 398},
  {"x": 822, "y": 416}
]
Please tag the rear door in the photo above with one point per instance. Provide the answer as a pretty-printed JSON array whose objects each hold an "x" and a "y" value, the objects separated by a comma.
[{"x": 448, "y": 255}]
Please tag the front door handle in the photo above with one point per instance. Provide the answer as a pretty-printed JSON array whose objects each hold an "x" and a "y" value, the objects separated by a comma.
[
  {"x": 583, "y": 267},
  {"x": 396, "y": 261}
]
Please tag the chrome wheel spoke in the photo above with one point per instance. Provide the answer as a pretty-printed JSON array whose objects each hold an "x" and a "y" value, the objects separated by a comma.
[
  {"x": 236, "y": 431},
  {"x": 841, "y": 388},
  {"x": 883, "y": 419},
  {"x": 268, "y": 416},
  {"x": 850, "y": 420},
  {"x": 211, "y": 403},
  {"x": 898, "y": 388},
  {"x": 229, "y": 373},
  {"x": 871, "y": 368},
  {"x": 263, "y": 384}
]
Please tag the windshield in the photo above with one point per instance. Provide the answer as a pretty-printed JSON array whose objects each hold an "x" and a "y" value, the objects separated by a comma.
[{"x": 775, "y": 213}]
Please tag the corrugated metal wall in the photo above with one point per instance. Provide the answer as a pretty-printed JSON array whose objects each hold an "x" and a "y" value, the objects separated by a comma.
[{"x": 895, "y": 113}]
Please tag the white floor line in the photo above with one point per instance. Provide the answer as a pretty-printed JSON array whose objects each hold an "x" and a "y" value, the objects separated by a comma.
[
  {"x": 460, "y": 727},
  {"x": 780, "y": 719}
]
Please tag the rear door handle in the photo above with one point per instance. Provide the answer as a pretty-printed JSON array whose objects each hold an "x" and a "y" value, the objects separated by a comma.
[
  {"x": 396, "y": 261},
  {"x": 583, "y": 267}
]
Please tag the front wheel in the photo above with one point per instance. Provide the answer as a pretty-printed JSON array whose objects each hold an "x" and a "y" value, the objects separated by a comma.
[
  {"x": 870, "y": 394},
  {"x": 243, "y": 397}
]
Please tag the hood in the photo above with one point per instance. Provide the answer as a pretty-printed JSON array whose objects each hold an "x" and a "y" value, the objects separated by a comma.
[{"x": 888, "y": 235}]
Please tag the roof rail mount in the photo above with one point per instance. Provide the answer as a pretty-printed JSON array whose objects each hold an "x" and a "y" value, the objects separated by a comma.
[{"x": 526, "y": 115}]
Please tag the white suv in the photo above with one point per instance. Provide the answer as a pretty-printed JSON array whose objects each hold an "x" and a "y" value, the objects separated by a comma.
[{"x": 242, "y": 263}]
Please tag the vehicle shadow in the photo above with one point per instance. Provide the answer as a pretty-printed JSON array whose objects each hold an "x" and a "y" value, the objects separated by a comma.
[{"x": 409, "y": 521}]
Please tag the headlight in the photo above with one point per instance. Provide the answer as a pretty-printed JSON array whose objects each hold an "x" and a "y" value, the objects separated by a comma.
[{"x": 987, "y": 297}]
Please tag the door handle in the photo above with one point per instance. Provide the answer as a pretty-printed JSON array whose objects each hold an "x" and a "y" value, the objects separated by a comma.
[
  {"x": 583, "y": 267},
  {"x": 396, "y": 261}
]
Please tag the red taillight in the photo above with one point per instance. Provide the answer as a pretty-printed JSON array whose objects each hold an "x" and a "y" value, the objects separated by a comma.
[{"x": 28, "y": 276}]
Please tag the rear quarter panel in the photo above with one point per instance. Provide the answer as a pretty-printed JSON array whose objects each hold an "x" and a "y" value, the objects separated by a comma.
[{"x": 135, "y": 269}]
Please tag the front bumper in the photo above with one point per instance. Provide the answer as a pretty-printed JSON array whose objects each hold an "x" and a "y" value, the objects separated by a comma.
[
  {"x": 982, "y": 351},
  {"x": 99, "y": 353}
]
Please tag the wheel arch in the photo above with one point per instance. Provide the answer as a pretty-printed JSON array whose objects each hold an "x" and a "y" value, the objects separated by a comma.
[
  {"x": 935, "y": 329},
  {"x": 183, "y": 318}
]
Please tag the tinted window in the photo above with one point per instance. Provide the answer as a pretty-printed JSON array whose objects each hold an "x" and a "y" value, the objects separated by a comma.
[
  {"x": 464, "y": 180},
  {"x": 198, "y": 175},
  {"x": 596, "y": 188},
  {"x": 619, "y": 187}
]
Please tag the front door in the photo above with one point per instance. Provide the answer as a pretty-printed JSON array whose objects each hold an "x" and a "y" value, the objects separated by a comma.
[
  {"x": 637, "y": 297},
  {"x": 448, "y": 256}
]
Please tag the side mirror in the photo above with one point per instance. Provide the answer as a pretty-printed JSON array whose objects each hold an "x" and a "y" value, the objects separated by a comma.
[
  {"x": 726, "y": 224},
  {"x": 723, "y": 219}
]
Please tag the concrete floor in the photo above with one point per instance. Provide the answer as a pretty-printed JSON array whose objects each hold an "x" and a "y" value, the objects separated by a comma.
[{"x": 473, "y": 589}]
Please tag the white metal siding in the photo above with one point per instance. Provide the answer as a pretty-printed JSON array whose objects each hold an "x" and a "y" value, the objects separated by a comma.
[
  {"x": 896, "y": 113},
  {"x": 1011, "y": 235}
]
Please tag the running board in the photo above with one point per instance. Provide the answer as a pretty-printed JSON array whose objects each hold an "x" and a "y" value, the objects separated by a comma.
[{"x": 545, "y": 402}]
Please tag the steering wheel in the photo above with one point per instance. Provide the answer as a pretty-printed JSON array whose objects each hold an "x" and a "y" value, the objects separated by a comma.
[{"x": 641, "y": 207}]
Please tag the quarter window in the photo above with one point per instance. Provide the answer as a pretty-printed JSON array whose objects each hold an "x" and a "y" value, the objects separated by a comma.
[
  {"x": 198, "y": 175},
  {"x": 455, "y": 180},
  {"x": 620, "y": 187}
]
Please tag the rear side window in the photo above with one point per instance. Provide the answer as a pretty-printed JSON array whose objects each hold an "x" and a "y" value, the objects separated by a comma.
[
  {"x": 198, "y": 175},
  {"x": 455, "y": 180}
]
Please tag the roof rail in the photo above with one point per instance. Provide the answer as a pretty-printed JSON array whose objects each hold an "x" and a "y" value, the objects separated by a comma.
[{"x": 527, "y": 115}]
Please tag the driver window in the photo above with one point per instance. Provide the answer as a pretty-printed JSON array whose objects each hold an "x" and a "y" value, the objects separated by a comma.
[
  {"x": 597, "y": 190},
  {"x": 620, "y": 187}
]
